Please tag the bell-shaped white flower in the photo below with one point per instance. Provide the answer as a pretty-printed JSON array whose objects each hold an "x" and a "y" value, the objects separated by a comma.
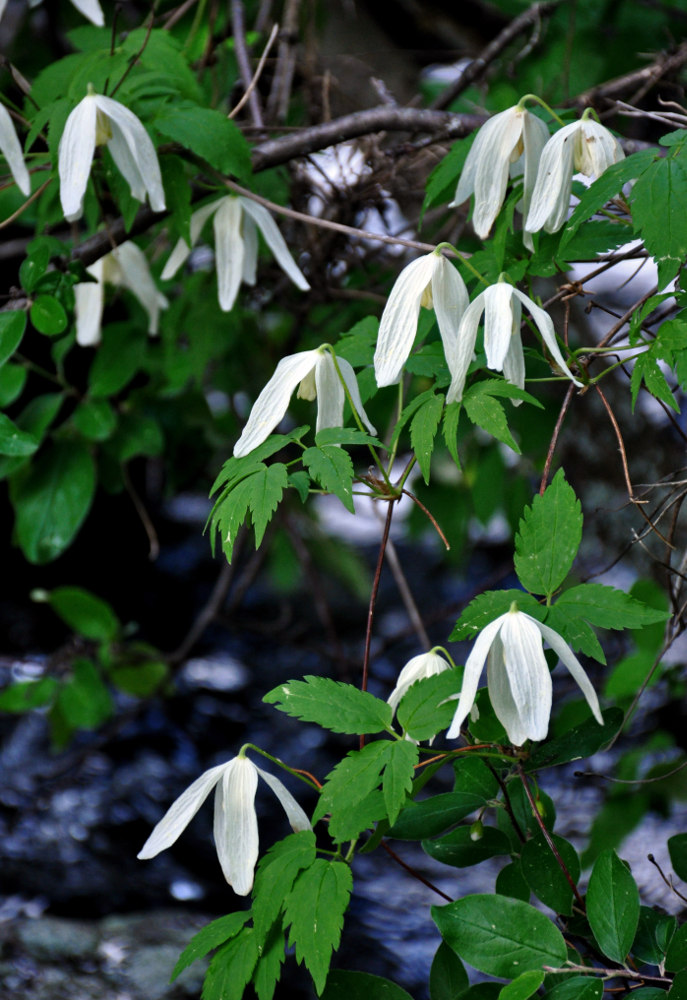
[
  {"x": 236, "y": 223},
  {"x": 584, "y": 147},
  {"x": 518, "y": 677},
  {"x": 416, "y": 669},
  {"x": 430, "y": 281},
  {"x": 98, "y": 120},
  {"x": 315, "y": 374},
  {"x": 11, "y": 150},
  {"x": 89, "y": 8},
  {"x": 126, "y": 267},
  {"x": 510, "y": 142},
  {"x": 502, "y": 307},
  {"x": 236, "y": 823}
]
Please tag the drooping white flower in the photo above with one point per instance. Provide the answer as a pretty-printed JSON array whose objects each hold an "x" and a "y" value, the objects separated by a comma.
[
  {"x": 236, "y": 823},
  {"x": 236, "y": 222},
  {"x": 430, "y": 281},
  {"x": 315, "y": 374},
  {"x": 518, "y": 677},
  {"x": 98, "y": 120},
  {"x": 126, "y": 267},
  {"x": 11, "y": 150},
  {"x": 502, "y": 307},
  {"x": 416, "y": 669},
  {"x": 510, "y": 142},
  {"x": 584, "y": 147},
  {"x": 89, "y": 8}
]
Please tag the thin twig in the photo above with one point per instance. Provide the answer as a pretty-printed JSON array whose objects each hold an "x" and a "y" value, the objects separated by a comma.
[
  {"x": 149, "y": 527},
  {"x": 414, "y": 873},
  {"x": 668, "y": 882},
  {"x": 431, "y": 518},
  {"x": 256, "y": 76},
  {"x": 554, "y": 438},
  {"x": 403, "y": 588},
  {"x": 280, "y": 94},
  {"x": 373, "y": 601},
  {"x": 206, "y": 615},
  {"x": 24, "y": 205},
  {"x": 239, "y": 31}
]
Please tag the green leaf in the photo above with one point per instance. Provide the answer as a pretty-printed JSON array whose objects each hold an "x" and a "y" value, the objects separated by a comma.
[
  {"x": 84, "y": 700},
  {"x": 210, "y": 135},
  {"x": 95, "y": 419},
  {"x": 659, "y": 213},
  {"x": 677, "y": 848},
  {"x": 442, "y": 181},
  {"x": 268, "y": 969},
  {"x": 579, "y": 635},
  {"x": 333, "y": 469},
  {"x": 487, "y": 413},
  {"x": 578, "y": 988},
  {"x": 447, "y": 977},
  {"x": 462, "y": 849},
  {"x": 339, "y": 707},
  {"x": 423, "y": 429},
  {"x": 398, "y": 776},
  {"x": 654, "y": 932},
  {"x": 141, "y": 680},
  {"x": 580, "y": 741},
  {"x": 13, "y": 441},
  {"x": 607, "y": 607},
  {"x": 549, "y": 537},
  {"x": 208, "y": 938},
  {"x": 499, "y": 935},
  {"x": 12, "y": 327},
  {"x": 544, "y": 875},
  {"x": 511, "y": 882},
  {"x": 314, "y": 912},
  {"x": 12, "y": 382},
  {"x": 451, "y": 420},
  {"x": 523, "y": 987},
  {"x": 488, "y": 606},
  {"x": 51, "y": 497},
  {"x": 432, "y": 816},
  {"x": 25, "y": 695},
  {"x": 676, "y": 956},
  {"x": 119, "y": 356},
  {"x": 344, "y": 985},
  {"x": 647, "y": 369},
  {"x": 231, "y": 969},
  {"x": 346, "y": 435},
  {"x": 85, "y": 613},
  {"x": 612, "y": 906},
  {"x": 48, "y": 315},
  {"x": 275, "y": 876},
  {"x": 267, "y": 488},
  {"x": 423, "y": 710}
]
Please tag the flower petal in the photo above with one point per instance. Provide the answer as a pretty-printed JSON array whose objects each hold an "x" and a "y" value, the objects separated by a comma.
[
  {"x": 535, "y": 135},
  {"x": 275, "y": 241},
  {"x": 250, "y": 251},
  {"x": 416, "y": 669},
  {"x": 351, "y": 381},
  {"x": 330, "y": 393},
  {"x": 136, "y": 276},
  {"x": 544, "y": 324},
  {"x": 551, "y": 194},
  {"x": 596, "y": 149},
  {"x": 498, "y": 323},
  {"x": 235, "y": 827},
  {"x": 228, "y": 251},
  {"x": 89, "y": 298},
  {"x": 134, "y": 153},
  {"x": 181, "y": 812},
  {"x": 273, "y": 401},
  {"x": 398, "y": 325},
  {"x": 492, "y": 177},
  {"x": 450, "y": 299},
  {"x": 75, "y": 156},
  {"x": 295, "y": 815},
  {"x": 181, "y": 251},
  {"x": 473, "y": 671},
  {"x": 465, "y": 348},
  {"x": 525, "y": 673},
  {"x": 92, "y": 10},
  {"x": 579, "y": 675},
  {"x": 11, "y": 150},
  {"x": 514, "y": 361}
]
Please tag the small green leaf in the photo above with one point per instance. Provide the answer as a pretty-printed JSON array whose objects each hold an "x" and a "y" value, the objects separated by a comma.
[
  {"x": 486, "y": 412},
  {"x": 119, "y": 356},
  {"x": 84, "y": 700},
  {"x": 12, "y": 382},
  {"x": 268, "y": 969},
  {"x": 268, "y": 487},
  {"x": 524, "y": 986},
  {"x": 85, "y": 613},
  {"x": 647, "y": 369},
  {"x": 461, "y": 849},
  {"x": 208, "y": 938},
  {"x": 339, "y": 707},
  {"x": 423, "y": 429},
  {"x": 488, "y": 606},
  {"x": 209, "y": 134},
  {"x": 676, "y": 956},
  {"x": 398, "y": 776},
  {"x": 654, "y": 933},
  {"x": 511, "y": 882},
  {"x": 344, "y": 985},
  {"x": 48, "y": 315},
  {"x": 441, "y": 183},
  {"x": 25, "y": 695},
  {"x": 95, "y": 419},
  {"x": 424, "y": 709},
  {"x": 578, "y": 988},
  {"x": 612, "y": 906},
  {"x": 12, "y": 327},
  {"x": 580, "y": 741},
  {"x": 346, "y": 435},
  {"x": 231, "y": 968},
  {"x": 13, "y": 441},
  {"x": 141, "y": 680},
  {"x": 333, "y": 469},
  {"x": 549, "y": 537},
  {"x": 447, "y": 977}
]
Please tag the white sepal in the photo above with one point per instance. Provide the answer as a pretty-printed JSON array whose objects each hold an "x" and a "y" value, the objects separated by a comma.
[
  {"x": 298, "y": 821},
  {"x": 416, "y": 669},
  {"x": 11, "y": 150},
  {"x": 228, "y": 251},
  {"x": 180, "y": 813},
  {"x": 235, "y": 826},
  {"x": 398, "y": 325},
  {"x": 133, "y": 151},
  {"x": 275, "y": 241},
  {"x": 75, "y": 155}
]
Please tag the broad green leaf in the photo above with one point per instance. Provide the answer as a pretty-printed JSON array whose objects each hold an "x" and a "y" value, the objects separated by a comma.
[
  {"x": 268, "y": 969},
  {"x": 15, "y": 442},
  {"x": 607, "y": 607},
  {"x": 544, "y": 875},
  {"x": 423, "y": 430},
  {"x": 523, "y": 987},
  {"x": 209, "y": 134},
  {"x": 483, "y": 724},
  {"x": 231, "y": 968},
  {"x": 654, "y": 933},
  {"x": 51, "y": 497},
  {"x": 577, "y": 632},
  {"x": 339, "y": 707},
  {"x": 442, "y": 182},
  {"x": 499, "y": 935},
  {"x": 447, "y": 977},
  {"x": 119, "y": 356},
  {"x": 678, "y": 991},
  {"x": 141, "y": 680},
  {"x": 649, "y": 993},
  {"x": 333, "y": 469},
  {"x": 267, "y": 489},
  {"x": 491, "y": 605},
  {"x": 549, "y": 537},
  {"x": 12, "y": 382},
  {"x": 344, "y": 985},
  {"x": 208, "y": 938},
  {"x": 487, "y": 413},
  {"x": 136, "y": 434},
  {"x": 95, "y": 419},
  {"x": 314, "y": 912},
  {"x": 676, "y": 955},
  {"x": 578, "y": 988},
  {"x": 275, "y": 876},
  {"x": 612, "y": 906},
  {"x": 230, "y": 513},
  {"x": 677, "y": 848},
  {"x": 462, "y": 848},
  {"x": 424, "y": 710},
  {"x": 85, "y": 613},
  {"x": 84, "y": 700},
  {"x": 48, "y": 315},
  {"x": 432, "y": 816},
  {"x": 474, "y": 777},
  {"x": 659, "y": 213},
  {"x": 25, "y": 695},
  {"x": 175, "y": 181},
  {"x": 520, "y": 812},
  {"x": 511, "y": 882},
  {"x": 398, "y": 776},
  {"x": 580, "y": 741},
  {"x": 12, "y": 327}
]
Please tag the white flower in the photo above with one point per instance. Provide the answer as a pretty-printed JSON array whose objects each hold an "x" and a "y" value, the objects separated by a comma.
[
  {"x": 416, "y": 669},
  {"x": 97, "y": 121},
  {"x": 236, "y": 823},
  {"x": 11, "y": 150},
  {"x": 89, "y": 8},
  {"x": 511, "y": 141},
  {"x": 518, "y": 677},
  {"x": 125, "y": 267},
  {"x": 585, "y": 147},
  {"x": 316, "y": 375},
  {"x": 502, "y": 307},
  {"x": 430, "y": 281},
  {"x": 236, "y": 222}
]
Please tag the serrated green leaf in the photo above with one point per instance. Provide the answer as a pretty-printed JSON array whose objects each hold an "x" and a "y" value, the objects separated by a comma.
[
  {"x": 268, "y": 969},
  {"x": 659, "y": 213},
  {"x": 339, "y": 707},
  {"x": 398, "y": 776},
  {"x": 486, "y": 412},
  {"x": 314, "y": 913},
  {"x": 408, "y": 411},
  {"x": 423, "y": 710},
  {"x": 345, "y": 985},
  {"x": 208, "y": 938},
  {"x": 451, "y": 420},
  {"x": 423, "y": 430},
  {"x": 275, "y": 876},
  {"x": 230, "y": 513},
  {"x": 647, "y": 370},
  {"x": 352, "y": 783},
  {"x": 333, "y": 469},
  {"x": 447, "y": 977},
  {"x": 544, "y": 875},
  {"x": 12, "y": 327},
  {"x": 210, "y": 135},
  {"x": 488, "y": 606},
  {"x": 231, "y": 968},
  {"x": 612, "y": 906},
  {"x": 548, "y": 539},
  {"x": 267, "y": 490},
  {"x": 609, "y": 608},
  {"x": 346, "y": 435},
  {"x": 503, "y": 389}
]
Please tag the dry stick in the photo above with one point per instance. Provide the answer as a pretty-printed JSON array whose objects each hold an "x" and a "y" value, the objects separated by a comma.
[
  {"x": 239, "y": 32},
  {"x": 478, "y": 66},
  {"x": 554, "y": 439},
  {"x": 176, "y": 15},
  {"x": 373, "y": 601},
  {"x": 278, "y": 101},
  {"x": 547, "y": 837},
  {"x": 258, "y": 72},
  {"x": 642, "y": 78},
  {"x": 413, "y": 872},
  {"x": 667, "y": 881},
  {"x": 631, "y": 781},
  {"x": 625, "y": 317},
  {"x": 607, "y": 973}
]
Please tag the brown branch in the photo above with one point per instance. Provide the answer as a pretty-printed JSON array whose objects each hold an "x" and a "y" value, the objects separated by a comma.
[
  {"x": 414, "y": 873},
  {"x": 638, "y": 82},
  {"x": 554, "y": 438},
  {"x": 239, "y": 32},
  {"x": 373, "y": 601}
]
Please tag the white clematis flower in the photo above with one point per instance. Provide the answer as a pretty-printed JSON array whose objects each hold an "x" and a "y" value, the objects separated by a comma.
[
  {"x": 584, "y": 147},
  {"x": 433, "y": 282},
  {"x": 236, "y": 223},
  {"x": 236, "y": 823},
  {"x": 89, "y": 8},
  {"x": 11, "y": 150},
  {"x": 416, "y": 669},
  {"x": 315, "y": 374},
  {"x": 502, "y": 307},
  {"x": 98, "y": 120},
  {"x": 518, "y": 677},
  {"x": 125, "y": 267},
  {"x": 510, "y": 142}
]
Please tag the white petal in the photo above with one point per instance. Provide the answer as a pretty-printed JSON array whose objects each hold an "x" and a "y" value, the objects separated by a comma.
[
  {"x": 492, "y": 177},
  {"x": 136, "y": 276},
  {"x": 514, "y": 361},
  {"x": 75, "y": 156},
  {"x": 275, "y": 241},
  {"x": 450, "y": 298},
  {"x": 398, "y": 325},
  {"x": 236, "y": 824},
  {"x": 416, "y": 669},
  {"x": 465, "y": 348},
  {"x": 228, "y": 251},
  {"x": 352, "y": 386},
  {"x": 330, "y": 393},
  {"x": 482, "y": 150},
  {"x": 273, "y": 401},
  {"x": 181, "y": 812},
  {"x": 473, "y": 671},
  {"x": 182, "y": 250},
  {"x": 544, "y": 324},
  {"x": 596, "y": 149},
  {"x": 535, "y": 135},
  {"x": 134, "y": 153},
  {"x": 551, "y": 194},
  {"x": 298, "y": 821},
  {"x": 498, "y": 323},
  {"x": 88, "y": 307},
  {"x": 90, "y": 9},
  {"x": 566, "y": 655},
  {"x": 11, "y": 150},
  {"x": 501, "y": 696},
  {"x": 250, "y": 251},
  {"x": 528, "y": 679}
]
